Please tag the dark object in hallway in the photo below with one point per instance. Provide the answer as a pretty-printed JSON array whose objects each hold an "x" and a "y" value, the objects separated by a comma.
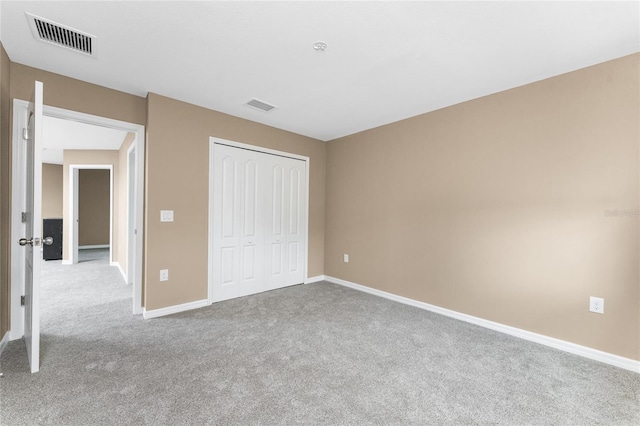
[{"x": 52, "y": 228}]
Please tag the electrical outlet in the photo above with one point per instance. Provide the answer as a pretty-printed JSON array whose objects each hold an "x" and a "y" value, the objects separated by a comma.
[
  {"x": 345, "y": 258},
  {"x": 596, "y": 304},
  {"x": 164, "y": 275}
]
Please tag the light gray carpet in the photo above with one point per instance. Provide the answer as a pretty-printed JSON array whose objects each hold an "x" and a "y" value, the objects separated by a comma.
[{"x": 312, "y": 354}]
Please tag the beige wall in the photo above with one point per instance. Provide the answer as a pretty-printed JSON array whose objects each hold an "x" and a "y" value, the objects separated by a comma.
[
  {"x": 51, "y": 191},
  {"x": 76, "y": 95},
  {"x": 89, "y": 157},
  {"x": 497, "y": 207},
  {"x": 177, "y": 179},
  {"x": 94, "y": 207},
  {"x": 5, "y": 193}
]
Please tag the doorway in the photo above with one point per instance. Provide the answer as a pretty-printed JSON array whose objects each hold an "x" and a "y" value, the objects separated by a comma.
[
  {"x": 91, "y": 210},
  {"x": 134, "y": 216}
]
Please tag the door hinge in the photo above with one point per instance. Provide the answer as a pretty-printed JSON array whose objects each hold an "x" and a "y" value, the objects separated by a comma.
[
  {"x": 25, "y": 133},
  {"x": 24, "y": 217},
  {"x": 22, "y": 301}
]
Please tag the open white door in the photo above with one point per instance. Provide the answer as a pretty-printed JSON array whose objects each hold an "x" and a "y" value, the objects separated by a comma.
[{"x": 33, "y": 216}]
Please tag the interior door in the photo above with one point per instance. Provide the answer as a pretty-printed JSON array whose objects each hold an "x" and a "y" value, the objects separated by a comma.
[
  {"x": 237, "y": 249},
  {"x": 33, "y": 215},
  {"x": 285, "y": 212}
]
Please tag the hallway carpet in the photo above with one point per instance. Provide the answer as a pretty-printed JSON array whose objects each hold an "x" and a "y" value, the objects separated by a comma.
[{"x": 308, "y": 354}]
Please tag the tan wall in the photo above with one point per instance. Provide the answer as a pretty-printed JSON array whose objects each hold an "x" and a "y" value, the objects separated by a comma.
[
  {"x": 94, "y": 207},
  {"x": 88, "y": 157},
  {"x": 177, "y": 179},
  {"x": 76, "y": 95},
  {"x": 497, "y": 207},
  {"x": 51, "y": 191},
  {"x": 5, "y": 193},
  {"x": 122, "y": 203}
]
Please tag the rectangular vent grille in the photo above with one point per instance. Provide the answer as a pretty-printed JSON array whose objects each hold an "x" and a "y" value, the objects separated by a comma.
[
  {"x": 262, "y": 106},
  {"x": 61, "y": 35}
]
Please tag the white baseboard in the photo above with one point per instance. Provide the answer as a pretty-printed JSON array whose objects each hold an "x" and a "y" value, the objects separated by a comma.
[
  {"x": 154, "y": 313},
  {"x": 95, "y": 246},
  {"x": 67, "y": 262},
  {"x": 4, "y": 342},
  {"x": 315, "y": 279},
  {"x": 583, "y": 351},
  {"x": 124, "y": 276}
]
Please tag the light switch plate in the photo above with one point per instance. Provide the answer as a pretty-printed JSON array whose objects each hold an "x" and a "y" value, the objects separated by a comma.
[{"x": 166, "y": 215}]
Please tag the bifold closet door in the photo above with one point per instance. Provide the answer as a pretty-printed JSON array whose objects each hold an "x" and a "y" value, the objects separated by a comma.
[
  {"x": 285, "y": 210},
  {"x": 238, "y": 236},
  {"x": 258, "y": 210}
]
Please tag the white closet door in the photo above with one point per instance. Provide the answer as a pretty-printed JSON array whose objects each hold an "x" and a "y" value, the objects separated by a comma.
[
  {"x": 259, "y": 210},
  {"x": 285, "y": 213},
  {"x": 238, "y": 253}
]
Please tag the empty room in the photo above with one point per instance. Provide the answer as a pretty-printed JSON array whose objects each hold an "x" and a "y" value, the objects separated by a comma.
[{"x": 320, "y": 213}]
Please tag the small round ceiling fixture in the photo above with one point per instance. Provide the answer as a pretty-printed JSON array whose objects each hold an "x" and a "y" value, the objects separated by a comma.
[{"x": 320, "y": 46}]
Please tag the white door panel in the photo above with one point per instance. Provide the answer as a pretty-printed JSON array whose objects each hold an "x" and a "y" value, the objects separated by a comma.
[
  {"x": 238, "y": 228},
  {"x": 33, "y": 237},
  {"x": 286, "y": 210}
]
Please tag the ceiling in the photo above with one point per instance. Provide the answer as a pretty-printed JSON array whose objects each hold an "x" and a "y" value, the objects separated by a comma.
[
  {"x": 385, "y": 61},
  {"x": 59, "y": 134}
]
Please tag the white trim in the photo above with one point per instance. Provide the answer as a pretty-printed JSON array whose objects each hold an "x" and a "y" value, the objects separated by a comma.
[
  {"x": 583, "y": 351},
  {"x": 4, "y": 342},
  {"x": 67, "y": 262},
  {"x": 155, "y": 313},
  {"x": 305, "y": 224},
  {"x": 95, "y": 246},
  {"x": 256, "y": 148},
  {"x": 315, "y": 279},
  {"x": 210, "y": 223},
  {"x": 131, "y": 210},
  {"x": 124, "y": 276}
]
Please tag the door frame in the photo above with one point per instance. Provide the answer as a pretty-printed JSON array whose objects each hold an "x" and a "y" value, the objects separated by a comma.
[
  {"x": 17, "y": 176},
  {"x": 74, "y": 198},
  {"x": 131, "y": 212},
  {"x": 305, "y": 225}
]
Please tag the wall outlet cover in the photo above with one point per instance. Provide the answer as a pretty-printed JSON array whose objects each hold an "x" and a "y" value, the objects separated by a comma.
[
  {"x": 164, "y": 275},
  {"x": 596, "y": 304}
]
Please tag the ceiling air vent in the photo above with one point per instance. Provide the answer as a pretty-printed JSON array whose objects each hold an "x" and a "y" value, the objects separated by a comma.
[
  {"x": 262, "y": 106},
  {"x": 61, "y": 35}
]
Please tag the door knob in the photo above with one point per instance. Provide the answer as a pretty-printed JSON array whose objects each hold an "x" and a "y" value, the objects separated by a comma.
[
  {"x": 35, "y": 241},
  {"x": 24, "y": 242}
]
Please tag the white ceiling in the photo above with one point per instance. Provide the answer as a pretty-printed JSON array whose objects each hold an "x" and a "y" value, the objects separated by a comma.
[
  {"x": 59, "y": 135},
  {"x": 385, "y": 61}
]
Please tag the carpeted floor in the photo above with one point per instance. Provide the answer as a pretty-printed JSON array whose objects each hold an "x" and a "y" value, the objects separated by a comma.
[{"x": 309, "y": 354}]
